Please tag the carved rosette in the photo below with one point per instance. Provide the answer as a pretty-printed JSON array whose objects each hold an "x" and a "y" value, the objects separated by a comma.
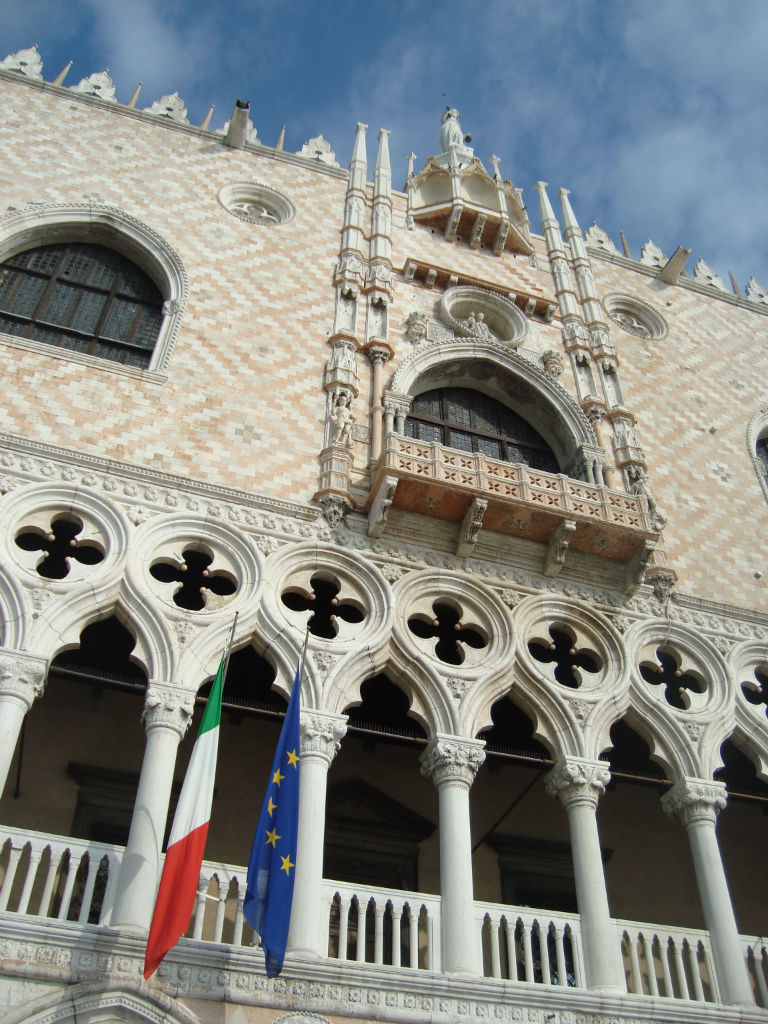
[
  {"x": 22, "y": 677},
  {"x": 321, "y": 735},
  {"x": 452, "y": 762},
  {"x": 693, "y": 801},
  {"x": 576, "y": 780},
  {"x": 168, "y": 707}
]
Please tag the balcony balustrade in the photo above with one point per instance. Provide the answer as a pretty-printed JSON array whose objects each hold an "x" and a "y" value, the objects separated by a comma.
[
  {"x": 69, "y": 880},
  {"x": 515, "y": 499}
]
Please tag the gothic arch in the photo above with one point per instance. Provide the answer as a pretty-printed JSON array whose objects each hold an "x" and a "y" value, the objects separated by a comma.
[
  {"x": 572, "y": 720},
  {"x": 98, "y": 1003},
  {"x": 49, "y": 223},
  {"x": 503, "y": 374},
  {"x": 757, "y": 430},
  {"x": 686, "y": 742}
]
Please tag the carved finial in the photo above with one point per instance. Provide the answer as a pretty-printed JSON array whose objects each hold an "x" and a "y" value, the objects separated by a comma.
[
  {"x": 62, "y": 74},
  {"x": 411, "y": 158},
  {"x": 280, "y": 140}
]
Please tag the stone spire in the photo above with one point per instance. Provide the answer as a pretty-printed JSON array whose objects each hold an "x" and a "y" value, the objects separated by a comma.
[
  {"x": 556, "y": 252},
  {"x": 593, "y": 311}
]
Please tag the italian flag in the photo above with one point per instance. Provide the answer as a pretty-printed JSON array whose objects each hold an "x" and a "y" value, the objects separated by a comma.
[{"x": 186, "y": 843}]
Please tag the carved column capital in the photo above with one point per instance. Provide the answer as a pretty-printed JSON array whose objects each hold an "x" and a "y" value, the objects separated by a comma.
[
  {"x": 577, "y": 780},
  {"x": 321, "y": 735},
  {"x": 695, "y": 800},
  {"x": 22, "y": 676},
  {"x": 378, "y": 352},
  {"x": 450, "y": 761},
  {"x": 169, "y": 707},
  {"x": 397, "y": 404}
]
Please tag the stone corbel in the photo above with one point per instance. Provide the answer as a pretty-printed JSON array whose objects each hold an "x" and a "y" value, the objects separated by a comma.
[
  {"x": 334, "y": 509},
  {"x": 637, "y": 565},
  {"x": 554, "y": 560},
  {"x": 470, "y": 527},
  {"x": 530, "y": 307},
  {"x": 501, "y": 237},
  {"x": 452, "y": 227},
  {"x": 477, "y": 231},
  {"x": 380, "y": 506}
]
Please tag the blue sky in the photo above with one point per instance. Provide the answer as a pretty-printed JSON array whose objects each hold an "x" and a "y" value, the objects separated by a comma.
[{"x": 651, "y": 111}]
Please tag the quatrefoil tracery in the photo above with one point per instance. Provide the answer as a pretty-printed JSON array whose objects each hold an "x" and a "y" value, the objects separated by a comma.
[
  {"x": 569, "y": 659},
  {"x": 323, "y": 602},
  {"x": 756, "y": 690},
  {"x": 668, "y": 672},
  {"x": 450, "y": 631},
  {"x": 58, "y": 545},
  {"x": 197, "y": 582}
]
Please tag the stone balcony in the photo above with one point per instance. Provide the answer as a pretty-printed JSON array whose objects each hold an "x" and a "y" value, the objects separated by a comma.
[
  {"x": 512, "y": 499},
  {"x": 383, "y": 950}
]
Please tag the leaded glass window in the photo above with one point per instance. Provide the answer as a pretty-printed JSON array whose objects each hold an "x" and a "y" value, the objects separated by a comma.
[
  {"x": 84, "y": 298},
  {"x": 473, "y": 422}
]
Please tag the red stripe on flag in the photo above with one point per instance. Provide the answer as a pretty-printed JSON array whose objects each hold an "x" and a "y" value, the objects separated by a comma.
[{"x": 175, "y": 896}]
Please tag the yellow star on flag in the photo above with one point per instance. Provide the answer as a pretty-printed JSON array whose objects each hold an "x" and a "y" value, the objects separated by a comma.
[
  {"x": 271, "y": 806},
  {"x": 286, "y": 865},
  {"x": 272, "y": 838},
  {"x": 277, "y": 778},
  {"x": 293, "y": 758}
]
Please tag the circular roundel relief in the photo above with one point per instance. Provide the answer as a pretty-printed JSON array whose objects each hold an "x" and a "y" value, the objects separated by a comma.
[
  {"x": 635, "y": 316},
  {"x": 478, "y": 313},
  {"x": 258, "y": 204}
]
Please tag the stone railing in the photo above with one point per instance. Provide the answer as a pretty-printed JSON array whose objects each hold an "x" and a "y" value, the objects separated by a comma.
[
  {"x": 55, "y": 877},
  {"x": 395, "y": 927},
  {"x": 506, "y": 497},
  {"x": 69, "y": 880},
  {"x": 535, "y": 946},
  {"x": 672, "y": 962}
]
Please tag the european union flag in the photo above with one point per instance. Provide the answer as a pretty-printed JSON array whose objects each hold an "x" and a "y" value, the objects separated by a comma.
[{"x": 272, "y": 867}]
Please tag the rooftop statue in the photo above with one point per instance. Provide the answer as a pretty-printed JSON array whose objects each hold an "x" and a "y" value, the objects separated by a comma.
[{"x": 453, "y": 141}]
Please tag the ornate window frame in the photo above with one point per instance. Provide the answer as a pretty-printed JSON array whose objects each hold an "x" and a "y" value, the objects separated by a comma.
[
  {"x": 757, "y": 430},
  {"x": 616, "y": 304},
  {"x": 46, "y": 224}
]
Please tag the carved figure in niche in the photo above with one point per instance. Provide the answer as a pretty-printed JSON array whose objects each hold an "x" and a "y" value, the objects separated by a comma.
[
  {"x": 477, "y": 327},
  {"x": 343, "y": 421},
  {"x": 640, "y": 488}
]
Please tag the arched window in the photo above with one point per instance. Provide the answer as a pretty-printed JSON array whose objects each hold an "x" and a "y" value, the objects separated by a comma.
[
  {"x": 474, "y": 422},
  {"x": 82, "y": 297},
  {"x": 762, "y": 452}
]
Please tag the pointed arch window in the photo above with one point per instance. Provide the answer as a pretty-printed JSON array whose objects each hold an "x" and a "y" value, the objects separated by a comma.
[
  {"x": 84, "y": 298},
  {"x": 474, "y": 422}
]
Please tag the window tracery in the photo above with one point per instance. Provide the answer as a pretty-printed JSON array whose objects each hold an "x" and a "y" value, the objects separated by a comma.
[
  {"x": 474, "y": 422},
  {"x": 84, "y": 298}
]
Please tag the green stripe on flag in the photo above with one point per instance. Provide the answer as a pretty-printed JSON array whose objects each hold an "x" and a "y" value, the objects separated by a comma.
[{"x": 212, "y": 713}]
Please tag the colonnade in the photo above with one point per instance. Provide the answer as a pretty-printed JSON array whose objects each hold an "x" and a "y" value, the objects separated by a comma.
[{"x": 452, "y": 763}]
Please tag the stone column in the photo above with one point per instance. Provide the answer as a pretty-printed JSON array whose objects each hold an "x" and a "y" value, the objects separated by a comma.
[
  {"x": 378, "y": 355},
  {"x": 22, "y": 679},
  {"x": 452, "y": 764},
  {"x": 577, "y": 783},
  {"x": 167, "y": 714},
  {"x": 321, "y": 734},
  {"x": 696, "y": 803}
]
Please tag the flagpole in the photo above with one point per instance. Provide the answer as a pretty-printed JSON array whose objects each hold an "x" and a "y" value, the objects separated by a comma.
[{"x": 229, "y": 647}]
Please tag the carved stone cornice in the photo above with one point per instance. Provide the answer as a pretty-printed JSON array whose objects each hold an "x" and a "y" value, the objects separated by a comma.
[
  {"x": 449, "y": 761},
  {"x": 321, "y": 735},
  {"x": 577, "y": 780},
  {"x": 693, "y": 801},
  {"x": 168, "y": 707},
  {"x": 22, "y": 676}
]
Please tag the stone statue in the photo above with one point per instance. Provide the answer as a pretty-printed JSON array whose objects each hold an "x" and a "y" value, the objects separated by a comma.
[
  {"x": 476, "y": 327},
  {"x": 452, "y": 139},
  {"x": 641, "y": 489},
  {"x": 343, "y": 421}
]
